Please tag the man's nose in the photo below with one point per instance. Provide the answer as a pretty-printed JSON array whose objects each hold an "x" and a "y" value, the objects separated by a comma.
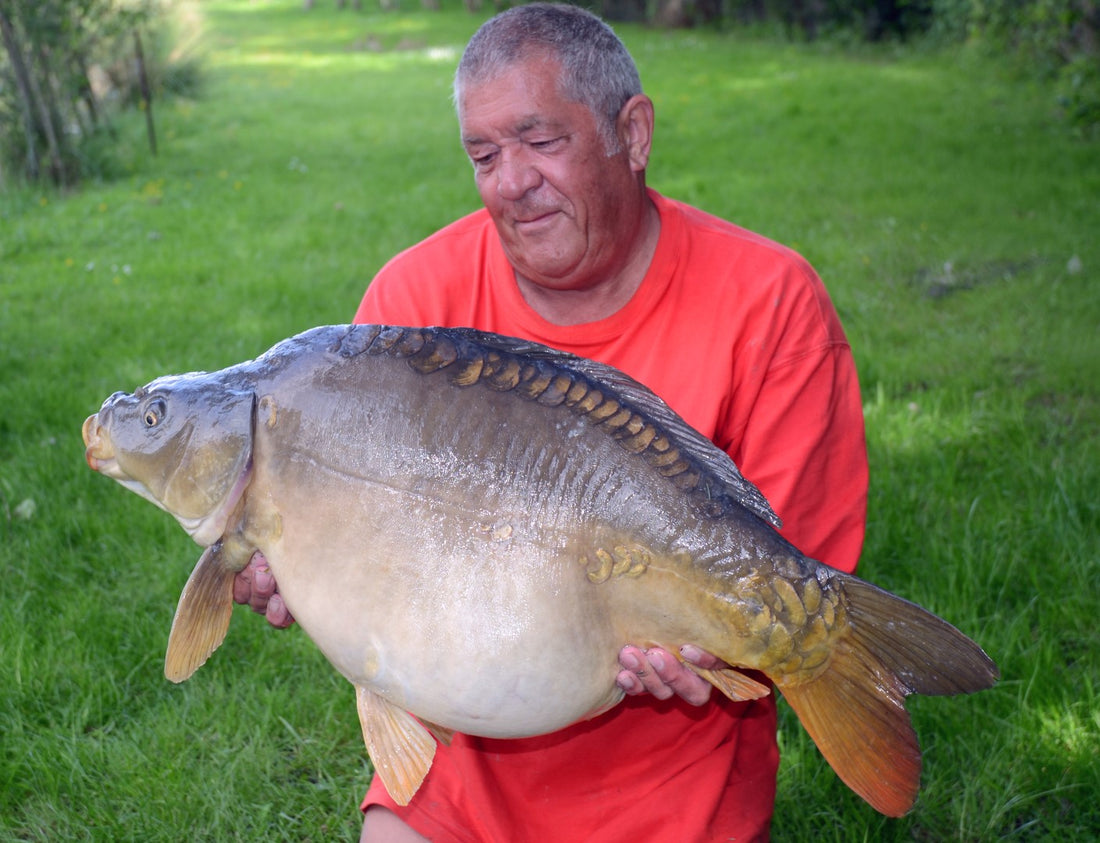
[{"x": 516, "y": 175}]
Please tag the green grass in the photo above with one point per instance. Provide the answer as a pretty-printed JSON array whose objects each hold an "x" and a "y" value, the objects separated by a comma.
[{"x": 951, "y": 214}]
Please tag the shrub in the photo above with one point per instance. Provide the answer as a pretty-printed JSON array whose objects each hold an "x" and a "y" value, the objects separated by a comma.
[{"x": 66, "y": 65}]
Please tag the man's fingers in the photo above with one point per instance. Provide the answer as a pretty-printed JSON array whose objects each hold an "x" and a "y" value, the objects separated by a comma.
[
  {"x": 263, "y": 586},
  {"x": 256, "y": 586},
  {"x": 658, "y": 672},
  {"x": 640, "y": 676},
  {"x": 701, "y": 658},
  {"x": 682, "y": 681},
  {"x": 278, "y": 615},
  {"x": 242, "y": 586}
]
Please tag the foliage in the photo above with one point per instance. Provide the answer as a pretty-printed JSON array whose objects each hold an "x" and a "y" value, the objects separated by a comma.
[
  {"x": 953, "y": 225},
  {"x": 1058, "y": 39},
  {"x": 67, "y": 64},
  {"x": 870, "y": 19},
  {"x": 1079, "y": 92}
]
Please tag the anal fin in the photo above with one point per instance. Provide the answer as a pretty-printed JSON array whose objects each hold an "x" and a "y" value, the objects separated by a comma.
[
  {"x": 202, "y": 615},
  {"x": 733, "y": 683},
  {"x": 399, "y": 746}
]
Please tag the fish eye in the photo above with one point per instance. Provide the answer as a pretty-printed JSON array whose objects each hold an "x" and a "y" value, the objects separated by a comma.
[{"x": 154, "y": 412}]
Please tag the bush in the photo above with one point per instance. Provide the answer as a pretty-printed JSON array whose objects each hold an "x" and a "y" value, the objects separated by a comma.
[
  {"x": 1079, "y": 93},
  {"x": 1058, "y": 38},
  {"x": 65, "y": 67}
]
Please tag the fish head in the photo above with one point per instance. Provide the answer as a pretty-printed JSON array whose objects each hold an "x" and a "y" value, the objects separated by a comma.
[{"x": 182, "y": 442}]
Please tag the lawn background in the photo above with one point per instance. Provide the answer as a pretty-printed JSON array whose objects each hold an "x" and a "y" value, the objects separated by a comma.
[{"x": 950, "y": 211}]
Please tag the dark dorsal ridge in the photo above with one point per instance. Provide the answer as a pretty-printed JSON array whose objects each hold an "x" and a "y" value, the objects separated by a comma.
[{"x": 626, "y": 410}]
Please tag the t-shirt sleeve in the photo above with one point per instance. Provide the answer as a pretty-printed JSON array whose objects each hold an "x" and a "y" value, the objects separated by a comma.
[
  {"x": 437, "y": 281},
  {"x": 802, "y": 442},
  {"x": 807, "y": 449},
  {"x": 392, "y": 299}
]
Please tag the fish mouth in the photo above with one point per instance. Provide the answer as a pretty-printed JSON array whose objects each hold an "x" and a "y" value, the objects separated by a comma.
[
  {"x": 100, "y": 456},
  {"x": 98, "y": 452}
]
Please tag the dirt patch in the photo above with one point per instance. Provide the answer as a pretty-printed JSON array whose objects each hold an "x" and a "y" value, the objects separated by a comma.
[{"x": 942, "y": 281}]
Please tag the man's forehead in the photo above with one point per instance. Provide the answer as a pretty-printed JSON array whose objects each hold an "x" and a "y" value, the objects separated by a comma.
[{"x": 523, "y": 95}]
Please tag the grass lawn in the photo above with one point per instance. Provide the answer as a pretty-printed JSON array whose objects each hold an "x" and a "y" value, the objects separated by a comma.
[{"x": 953, "y": 217}]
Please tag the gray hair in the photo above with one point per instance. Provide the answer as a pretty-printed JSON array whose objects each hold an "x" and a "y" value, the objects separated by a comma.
[{"x": 598, "y": 71}]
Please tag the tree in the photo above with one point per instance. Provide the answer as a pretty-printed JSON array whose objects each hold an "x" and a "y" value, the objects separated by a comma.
[{"x": 50, "y": 46}]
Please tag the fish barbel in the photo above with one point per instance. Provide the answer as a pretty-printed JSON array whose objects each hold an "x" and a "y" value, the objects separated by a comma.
[{"x": 439, "y": 504}]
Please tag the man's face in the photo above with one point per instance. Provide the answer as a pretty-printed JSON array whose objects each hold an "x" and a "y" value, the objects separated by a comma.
[{"x": 543, "y": 172}]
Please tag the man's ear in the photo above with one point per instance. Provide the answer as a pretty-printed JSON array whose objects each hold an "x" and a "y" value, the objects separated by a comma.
[{"x": 635, "y": 130}]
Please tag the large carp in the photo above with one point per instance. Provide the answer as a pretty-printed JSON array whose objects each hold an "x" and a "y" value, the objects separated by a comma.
[{"x": 422, "y": 495}]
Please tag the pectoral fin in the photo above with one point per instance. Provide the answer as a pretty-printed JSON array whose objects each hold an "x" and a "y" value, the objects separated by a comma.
[
  {"x": 400, "y": 747},
  {"x": 202, "y": 616},
  {"x": 733, "y": 683}
]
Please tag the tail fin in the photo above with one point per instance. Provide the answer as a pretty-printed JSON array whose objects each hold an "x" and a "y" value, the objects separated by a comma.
[{"x": 855, "y": 709}]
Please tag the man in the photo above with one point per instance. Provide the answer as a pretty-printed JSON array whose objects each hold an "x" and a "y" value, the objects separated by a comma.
[{"x": 735, "y": 332}]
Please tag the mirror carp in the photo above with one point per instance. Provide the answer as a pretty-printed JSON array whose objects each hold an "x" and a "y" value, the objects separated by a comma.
[{"x": 422, "y": 495}]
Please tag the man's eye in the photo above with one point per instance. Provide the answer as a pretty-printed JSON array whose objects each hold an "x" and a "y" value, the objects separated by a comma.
[{"x": 546, "y": 145}]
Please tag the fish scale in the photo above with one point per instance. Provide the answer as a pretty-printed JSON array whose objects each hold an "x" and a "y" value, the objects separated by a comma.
[
  {"x": 501, "y": 367},
  {"x": 424, "y": 494}
]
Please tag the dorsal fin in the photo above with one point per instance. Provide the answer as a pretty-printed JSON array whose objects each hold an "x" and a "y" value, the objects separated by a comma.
[{"x": 626, "y": 410}]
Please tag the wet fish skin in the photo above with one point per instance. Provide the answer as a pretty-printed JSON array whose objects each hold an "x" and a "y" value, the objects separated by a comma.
[{"x": 439, "y": 504}]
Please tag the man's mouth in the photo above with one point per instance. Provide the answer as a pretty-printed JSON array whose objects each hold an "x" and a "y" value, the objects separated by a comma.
[{"x": 536, "y": 218}]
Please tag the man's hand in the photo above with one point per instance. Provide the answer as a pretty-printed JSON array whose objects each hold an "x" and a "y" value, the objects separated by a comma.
[
  {"x": 256, "y": 586},
  {"x": 658, "y": 672}
]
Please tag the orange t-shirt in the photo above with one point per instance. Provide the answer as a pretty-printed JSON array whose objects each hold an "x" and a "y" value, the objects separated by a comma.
[{"x": 737, "y": 334}]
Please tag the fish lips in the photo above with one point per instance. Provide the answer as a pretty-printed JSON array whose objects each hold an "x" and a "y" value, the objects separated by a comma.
[{"x": 98, "y": 451}]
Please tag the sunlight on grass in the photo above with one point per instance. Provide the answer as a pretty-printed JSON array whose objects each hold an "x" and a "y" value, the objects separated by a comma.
[
  {"x": 385, "y": 61},
  {"x": 242, "y": 32},
  {"x": 924, "y": 422},
  {"x": 1073, "y": 731}
]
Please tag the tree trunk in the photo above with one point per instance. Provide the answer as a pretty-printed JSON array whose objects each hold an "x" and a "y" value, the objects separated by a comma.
[
  {"x": 146, "y": 92},
  {"x": 85, "y": 93},
  {"x": 26, "y": 98},
  {"x": 49, "y": 118},
  {"x": 672, "y": 14}
]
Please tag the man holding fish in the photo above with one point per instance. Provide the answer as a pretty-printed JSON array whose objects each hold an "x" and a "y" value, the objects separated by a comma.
[{"x": 735, "y": 332}]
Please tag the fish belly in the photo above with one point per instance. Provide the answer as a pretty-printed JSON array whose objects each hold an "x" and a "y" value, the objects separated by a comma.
[
  {"x": 480, "y": 579},
  {"x": 488, "y": 626}
]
